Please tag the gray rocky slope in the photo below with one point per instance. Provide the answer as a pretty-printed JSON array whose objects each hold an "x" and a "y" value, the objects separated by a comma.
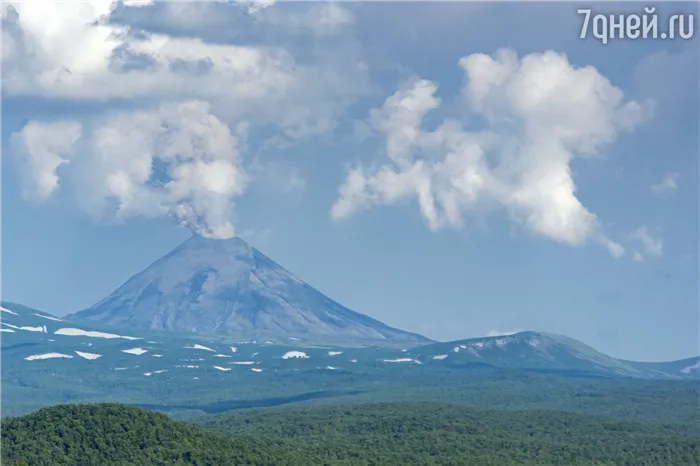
[{"x": 227, "y": 287}]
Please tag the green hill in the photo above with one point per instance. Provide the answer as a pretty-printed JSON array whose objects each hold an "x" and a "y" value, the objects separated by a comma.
[
  {"x": 371, "y": 434},
  {"x": 114, "y": 434}
]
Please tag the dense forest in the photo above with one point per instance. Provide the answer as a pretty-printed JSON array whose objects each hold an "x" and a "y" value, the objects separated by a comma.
[
  {"x": 368, "y": 434},
  {"x": 433, "y": 433},
  {"x": 115, "y": 434}
]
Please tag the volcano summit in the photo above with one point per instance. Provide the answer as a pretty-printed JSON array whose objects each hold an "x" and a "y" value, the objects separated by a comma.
[{"x": 227, "y": 287}]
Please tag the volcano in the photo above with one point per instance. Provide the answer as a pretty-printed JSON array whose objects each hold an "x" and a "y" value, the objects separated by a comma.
[{"x": 227, "y": 287}]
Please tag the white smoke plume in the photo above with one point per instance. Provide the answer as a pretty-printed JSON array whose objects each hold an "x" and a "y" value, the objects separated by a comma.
[{"x": 177, "y": 159}]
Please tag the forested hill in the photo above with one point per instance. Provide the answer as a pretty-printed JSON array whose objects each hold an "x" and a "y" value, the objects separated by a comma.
[
  {"x": 117, "y": 435},
  {"x": 385, "y": 434},
  {"x": 414, "y": 433}
]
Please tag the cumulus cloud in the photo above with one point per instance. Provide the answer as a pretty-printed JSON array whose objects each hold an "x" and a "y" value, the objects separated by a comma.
[
  {"x": 177, "y": 159},
  {"x": 667, "y": 185},
  {"x": 42, "y": 148},
  {"x": 653, "y": 247},
  {"x": 193, "y": 101},
  {"x": 540, "y": 112},
  {"x": 74, "y": 51}
]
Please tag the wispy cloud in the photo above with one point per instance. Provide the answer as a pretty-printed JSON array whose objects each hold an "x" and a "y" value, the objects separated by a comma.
[
  {"x": 652, "y": 247},
  {"x": 497, "y": 333},
  {"x": 667, "y": 185}
]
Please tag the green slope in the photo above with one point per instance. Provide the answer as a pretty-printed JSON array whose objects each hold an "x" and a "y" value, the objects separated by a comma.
[
  {"x": 370, "y": 434},
  {"x": 433, "y": 433},
  {"x": 113, "y": 434}
]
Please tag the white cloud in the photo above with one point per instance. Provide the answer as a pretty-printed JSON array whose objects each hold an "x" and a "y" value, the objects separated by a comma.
[
  {"x": 653, "y": 247},
  {"x": 177, "y": 159},
  {"x": 257, "y": 5},
  {"x": 541, "y": 112},
  {"x": 70, "y": 50},
  {"x": 498, "y": 333},
  {"x": 667, "y": 185},
  {"x": 616, "y": 250},
  {"x": 194, "y": 102},
  {"x": 329, "y": 18},
  {"x": 42, "y": 148},
  {"x": 138, "y": 3}
]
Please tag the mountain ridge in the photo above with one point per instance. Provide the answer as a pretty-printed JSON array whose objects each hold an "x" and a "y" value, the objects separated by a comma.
[
  {"x": 210, "y": 286},
  {"x": 47, "y": 360},
  {"x": 528, "y": 350},
  {"x": 535, "y": 351}
]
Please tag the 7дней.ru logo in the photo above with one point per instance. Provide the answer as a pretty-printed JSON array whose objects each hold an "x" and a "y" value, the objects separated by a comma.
[{"x": 634, "y": 26}]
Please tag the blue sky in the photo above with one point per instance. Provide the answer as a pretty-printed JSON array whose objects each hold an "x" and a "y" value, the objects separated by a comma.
[{"x": 453, "y": 169}]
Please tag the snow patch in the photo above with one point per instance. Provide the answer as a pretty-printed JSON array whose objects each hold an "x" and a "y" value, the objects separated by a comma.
[
  {"x": 295, "y": 354},
  {"x": 234, "y": 349},
  {"x": 77, "y": 332},
  {"x": 533, "y": 343},
  {"x": 148, "y": 374},
  {"x": 34, "y": 357},
  {"x": 9, "y": 330},
  {"x": 440, "y": 357},
  {"x": 197, "y": 346},
  {"x": 456, "y": 349},
  {"x": 478, "y": 344},
  {"x": 501, "y": 342},
  {"x": 331, "y": 368},
  {"x": 222, "y": 368},
  {"x": 188, "y": 367},
  {"x": 48, "y": 317},
  {"x": 686, "y": 370},
  {"x": 353, "y": 360},
  {"x": 120, "y": 368},
  {"x": 255, "y": 369},
  {"x": 136, "y": 351},
  {"x": 3, "y": 309},
  {"x": 90, "y": 356},
  {"x": 41, "y": 329},
  {"x": 401, "y": 360},
  {"x": 222, "y": 356},
  {"x": 245, "y": 363},
  {"x": 334, "y": 353},
  {"x": 157, "y": 355}
]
